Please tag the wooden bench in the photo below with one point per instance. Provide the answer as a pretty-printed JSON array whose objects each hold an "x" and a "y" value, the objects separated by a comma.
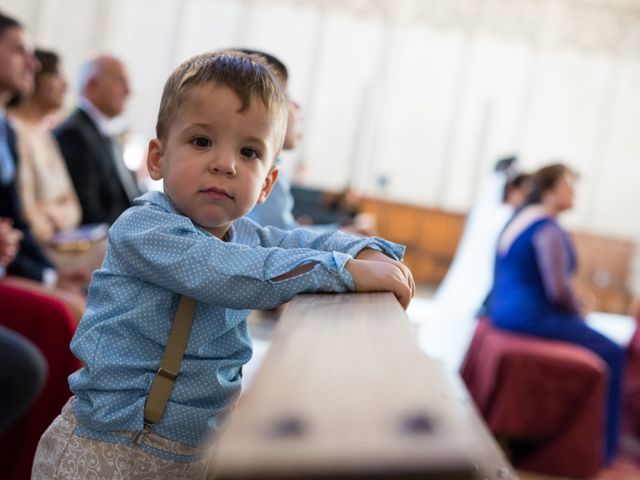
[{"x": 344, "y": 392}]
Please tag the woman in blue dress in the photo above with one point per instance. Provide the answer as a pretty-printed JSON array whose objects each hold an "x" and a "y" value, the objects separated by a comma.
[{"x": 533, "y": 291}]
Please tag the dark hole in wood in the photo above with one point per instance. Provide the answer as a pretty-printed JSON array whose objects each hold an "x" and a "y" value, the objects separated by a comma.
[
  {"x": 417, "y": 424},
  {"x": 287, "y": 427}
]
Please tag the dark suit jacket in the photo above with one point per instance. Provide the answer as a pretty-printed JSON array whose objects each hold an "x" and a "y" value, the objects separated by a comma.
[
  {"x": 30, "y": 261},
  {"x": 90, "y": 159}
]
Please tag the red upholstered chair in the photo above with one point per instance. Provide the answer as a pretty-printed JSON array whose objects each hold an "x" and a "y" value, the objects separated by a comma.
[
  {"x": 545, "y": 398},
  {"x": 49, "y": 324}
]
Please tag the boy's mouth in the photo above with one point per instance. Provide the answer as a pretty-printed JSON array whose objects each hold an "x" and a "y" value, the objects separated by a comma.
[{"x": 214, "y": 192}]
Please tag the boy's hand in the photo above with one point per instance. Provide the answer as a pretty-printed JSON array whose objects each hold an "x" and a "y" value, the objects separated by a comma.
[
  {"x": 377, "y": 256},
  {"x": 374, "y": 276}
]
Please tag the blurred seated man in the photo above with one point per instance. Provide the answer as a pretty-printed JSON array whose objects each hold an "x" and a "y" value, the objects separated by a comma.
[
  {"x": 17, "y": 66},
  {"x": 89, "y": 142}
]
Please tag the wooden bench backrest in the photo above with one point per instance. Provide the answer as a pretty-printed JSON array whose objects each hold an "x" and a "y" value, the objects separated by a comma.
[{"x": 344, "y": 392}]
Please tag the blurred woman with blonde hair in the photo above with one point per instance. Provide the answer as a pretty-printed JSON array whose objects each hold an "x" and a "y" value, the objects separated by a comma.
[{"x": 49, "y": 201}]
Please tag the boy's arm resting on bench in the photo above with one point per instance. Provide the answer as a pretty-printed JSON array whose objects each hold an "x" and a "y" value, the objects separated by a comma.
[
  {"x": 167, "y": 250},
  {"x": 366, "y": 277}
]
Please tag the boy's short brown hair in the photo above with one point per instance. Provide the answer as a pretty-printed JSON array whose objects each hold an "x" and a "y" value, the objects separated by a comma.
[{"x": 247, "y": 75}]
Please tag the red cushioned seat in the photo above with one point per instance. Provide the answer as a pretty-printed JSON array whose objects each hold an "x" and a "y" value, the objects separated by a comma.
[
  {"x": 50, "y": 325},
  {"x": 543, "y": 394}
]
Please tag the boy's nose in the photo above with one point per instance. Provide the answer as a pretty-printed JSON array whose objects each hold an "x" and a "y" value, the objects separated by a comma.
[{"x": 223, "y": 163}]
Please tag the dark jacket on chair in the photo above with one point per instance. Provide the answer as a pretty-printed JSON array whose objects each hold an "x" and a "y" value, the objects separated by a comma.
[{"x": 90, "y": 159}]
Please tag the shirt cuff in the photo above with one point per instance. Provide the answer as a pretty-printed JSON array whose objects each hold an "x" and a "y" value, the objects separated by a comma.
[
  {"x": 390, "y": 249},
  {"x": 336, "y": 265}
]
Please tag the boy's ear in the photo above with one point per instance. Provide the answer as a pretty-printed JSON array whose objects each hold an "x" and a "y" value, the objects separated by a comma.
[
  {"x": 154, "y": 159},
  {"x": 268, "y": 184}
]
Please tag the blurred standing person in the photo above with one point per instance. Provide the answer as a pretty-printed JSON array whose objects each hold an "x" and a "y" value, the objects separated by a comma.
[
  {"x": 89, "y": 144},
  {"x": 49, "y": 201},
  {"x": 277, "y": 210},
  {"x": 447, "y": 321},
  {"x": 471, "y": 270}
]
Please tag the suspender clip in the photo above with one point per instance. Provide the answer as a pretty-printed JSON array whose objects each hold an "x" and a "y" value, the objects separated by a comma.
[{"x": 139, "y": 436}]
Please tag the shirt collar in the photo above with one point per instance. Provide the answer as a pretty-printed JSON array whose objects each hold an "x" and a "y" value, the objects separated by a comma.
[
  {"x": 157, "y": 198},
  {"x": 108, "y": 127},
  {"x": 161, "y": 200}
]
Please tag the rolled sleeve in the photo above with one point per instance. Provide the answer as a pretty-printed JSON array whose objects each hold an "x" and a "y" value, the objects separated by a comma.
[{"x": 390, "y": 249}]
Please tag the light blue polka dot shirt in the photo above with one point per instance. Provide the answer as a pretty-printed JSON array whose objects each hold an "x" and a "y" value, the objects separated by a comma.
[{"x": 154, "y": 255}]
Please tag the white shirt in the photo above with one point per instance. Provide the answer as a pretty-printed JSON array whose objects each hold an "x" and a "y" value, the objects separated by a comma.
[{"x": 108, "y": 127}]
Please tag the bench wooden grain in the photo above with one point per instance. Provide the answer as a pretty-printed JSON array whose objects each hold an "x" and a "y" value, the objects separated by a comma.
[{"x": 344, "y": 392}]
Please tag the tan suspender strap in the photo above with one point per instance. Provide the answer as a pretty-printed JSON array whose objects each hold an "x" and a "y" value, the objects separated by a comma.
[{"x": 170, "y": 366}]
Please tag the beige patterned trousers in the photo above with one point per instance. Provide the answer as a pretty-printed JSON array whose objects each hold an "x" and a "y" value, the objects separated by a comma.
[{"x": 63, "y": 455}]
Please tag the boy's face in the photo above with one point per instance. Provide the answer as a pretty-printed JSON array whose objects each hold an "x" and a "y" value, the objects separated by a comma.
[{"x": 216, "y": 162}]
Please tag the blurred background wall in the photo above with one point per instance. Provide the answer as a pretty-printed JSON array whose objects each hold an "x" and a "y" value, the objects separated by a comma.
[{"x": 411, "y": 100}]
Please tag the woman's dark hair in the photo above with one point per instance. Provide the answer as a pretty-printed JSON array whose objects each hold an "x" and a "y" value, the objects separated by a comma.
[
  {"x": 545, "y": 180},
  {"x": 49, "y": 62}
]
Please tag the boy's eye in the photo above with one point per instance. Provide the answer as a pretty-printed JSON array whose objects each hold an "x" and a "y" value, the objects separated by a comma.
[
  {"x": 249, "y": 153},
  {"x": 201, "y": 142}
]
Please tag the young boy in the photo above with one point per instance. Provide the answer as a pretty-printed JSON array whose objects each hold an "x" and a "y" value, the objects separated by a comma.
[{"x": 220, "y": 127}]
